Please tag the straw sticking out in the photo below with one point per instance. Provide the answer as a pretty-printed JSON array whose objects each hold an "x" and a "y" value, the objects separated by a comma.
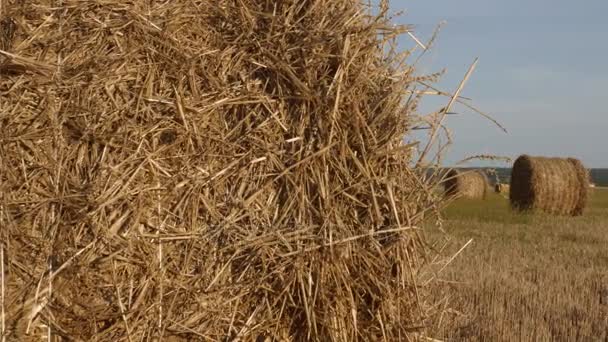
[
  {"x": 444, "y": 112},
  {"x": 417, "y": 40}
]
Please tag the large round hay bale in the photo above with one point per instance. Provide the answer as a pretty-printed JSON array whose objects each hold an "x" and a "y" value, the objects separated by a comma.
[
  {"x": 468, "y": 184},
  {"x": 553, "y": 185}
]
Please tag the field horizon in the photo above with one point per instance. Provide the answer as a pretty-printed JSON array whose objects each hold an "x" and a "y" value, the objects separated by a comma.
[{"x": 599, "y": 176}]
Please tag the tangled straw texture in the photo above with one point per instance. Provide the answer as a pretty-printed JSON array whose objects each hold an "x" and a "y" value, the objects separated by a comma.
[
  {"x": 208, "y": 170},
  {"x": 554, "y": 185}
]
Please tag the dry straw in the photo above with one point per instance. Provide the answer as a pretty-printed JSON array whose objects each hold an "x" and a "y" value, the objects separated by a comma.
[
  {"x": 468, "y": 184},
  {"x": 554, "y": 185},
  {"x": 208, "y": 170}
]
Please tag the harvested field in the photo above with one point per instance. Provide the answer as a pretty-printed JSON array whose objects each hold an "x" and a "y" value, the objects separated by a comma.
[{"x": 535, "y": 277}]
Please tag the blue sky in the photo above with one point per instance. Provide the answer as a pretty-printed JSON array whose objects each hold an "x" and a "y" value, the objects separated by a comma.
[{"x": 542, "y": 73}]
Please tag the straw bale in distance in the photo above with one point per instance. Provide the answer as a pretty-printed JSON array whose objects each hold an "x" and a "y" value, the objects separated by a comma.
[
  {"x": 501, "y": 188},
  {"x": 208, "y": 170},
  {"x": 554, "y": 185},
  {"x": 469, "y": 184}
]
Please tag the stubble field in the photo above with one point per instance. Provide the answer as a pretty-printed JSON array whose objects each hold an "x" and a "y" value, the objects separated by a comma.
[{"x": 523, "y": 277}]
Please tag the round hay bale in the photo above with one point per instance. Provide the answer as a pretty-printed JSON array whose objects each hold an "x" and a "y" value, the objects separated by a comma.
[
  {"x": 467, "y": 184},
  {"x": 554, "y": 185},
  {"x": 501, "y": 188}
]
